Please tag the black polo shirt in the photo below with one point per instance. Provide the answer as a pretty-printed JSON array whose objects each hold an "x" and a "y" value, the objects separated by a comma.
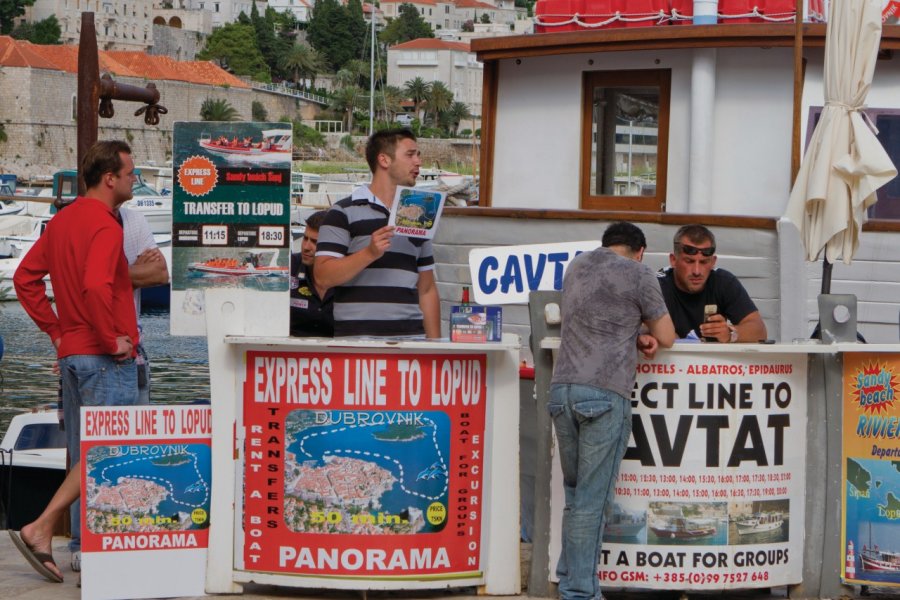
[{"x": 311, "y": 316}]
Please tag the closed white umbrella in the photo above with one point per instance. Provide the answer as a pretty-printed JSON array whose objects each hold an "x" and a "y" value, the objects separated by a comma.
[{"x": 845, "y": 163}]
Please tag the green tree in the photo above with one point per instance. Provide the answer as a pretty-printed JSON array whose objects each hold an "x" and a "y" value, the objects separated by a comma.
[
  {"x": 9, "y": 10},
  {"x": 358, "y": 26},
  {"x": 265, "y": 37},
  {"x": 218, "y": 110},
  {"x": 46, "y": 32},
  {"x": 233, "y": 47},
  {"x": 438, "y": 100},
  {"x": 3, "y": 136},
  {"x": 417, "y": 90},
  {"x": 258, "y": 111},
  {"x": 457, "y": 113},
  {"x": 409, "y": 25},
  {"x": 331, "y": 33},
  {"x": 485, "y": 18},
  {"x": 303, "y": 62}
]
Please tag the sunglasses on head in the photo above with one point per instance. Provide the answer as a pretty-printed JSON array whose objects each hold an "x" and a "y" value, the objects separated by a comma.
[{"x": 692, "y": 250}]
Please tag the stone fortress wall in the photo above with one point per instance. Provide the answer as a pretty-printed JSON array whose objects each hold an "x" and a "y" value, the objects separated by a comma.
[{"x": 37, "y": 110}]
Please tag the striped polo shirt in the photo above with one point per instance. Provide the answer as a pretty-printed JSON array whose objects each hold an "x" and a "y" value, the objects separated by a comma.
[{"x": 383, "y": 300}]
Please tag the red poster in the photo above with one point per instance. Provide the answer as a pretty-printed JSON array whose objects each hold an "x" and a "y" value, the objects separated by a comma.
[{"x": 363, "y": 464}]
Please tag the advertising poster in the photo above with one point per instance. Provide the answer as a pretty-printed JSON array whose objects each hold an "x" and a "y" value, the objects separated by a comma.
[
  {"x": 871, "y": 469},
  {"x": 363, "y": 464},
  {"x": 416, "y": 212},
  {"x": 710, "y": 494},
  {"x": 145, "y": 476},
  {"x": 230, "y": 214}
]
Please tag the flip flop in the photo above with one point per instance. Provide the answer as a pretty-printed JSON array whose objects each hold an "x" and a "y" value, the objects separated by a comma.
[{"x": 35, "y": 559}]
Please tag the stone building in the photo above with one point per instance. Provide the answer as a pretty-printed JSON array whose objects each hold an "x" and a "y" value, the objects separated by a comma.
[
  {"x": 38, "y": 98},
  {"x": 436, "y": 60},
  {"x": 120, "y": 25}
]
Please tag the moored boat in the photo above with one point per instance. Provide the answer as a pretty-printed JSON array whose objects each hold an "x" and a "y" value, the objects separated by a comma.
[
  {"x": 759, "y": 523},
  {"x": 875, "y": 559},
  {"x": 624, "y": 524},
  {"x": 33, "y": 465},
  {"x": 682, "y": 528}
]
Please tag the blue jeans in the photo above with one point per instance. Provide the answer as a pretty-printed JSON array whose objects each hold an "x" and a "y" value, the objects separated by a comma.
[
  {"x": 92, "y": 380},
  {"x": 592, "y": 429}
]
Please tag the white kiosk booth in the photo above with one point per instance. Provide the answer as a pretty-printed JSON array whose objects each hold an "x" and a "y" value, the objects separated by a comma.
[{"x": 360, "y": 464}]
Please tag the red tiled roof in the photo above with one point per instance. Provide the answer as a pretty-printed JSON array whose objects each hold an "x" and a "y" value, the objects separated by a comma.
[
  {"x": 428, "y": 2},
  {"x": 19, "y": 53},
  {"x": 474, "y": 4},
  {"x": 14, "y": 54},
  {"x": 431, "y": 44}
]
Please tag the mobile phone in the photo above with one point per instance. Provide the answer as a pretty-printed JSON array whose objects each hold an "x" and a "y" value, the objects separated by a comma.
[{"x": 708, "y": 311}]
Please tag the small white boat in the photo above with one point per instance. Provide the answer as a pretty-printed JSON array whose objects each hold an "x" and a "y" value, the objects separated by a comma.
[
  {"x": 33, "y": 465},
  {"x": 155, "y": 207},
  {"x": 10, "y": 207}
]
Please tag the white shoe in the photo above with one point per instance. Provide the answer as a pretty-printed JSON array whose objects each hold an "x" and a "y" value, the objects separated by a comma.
[{"x": 76, "y": 561}]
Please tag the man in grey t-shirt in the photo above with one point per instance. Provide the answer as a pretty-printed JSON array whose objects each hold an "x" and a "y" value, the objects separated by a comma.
[{"x": 608, "y": 296}]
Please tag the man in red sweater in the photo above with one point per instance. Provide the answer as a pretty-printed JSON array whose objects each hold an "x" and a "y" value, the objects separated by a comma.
[{"x": 94, "y": 328}]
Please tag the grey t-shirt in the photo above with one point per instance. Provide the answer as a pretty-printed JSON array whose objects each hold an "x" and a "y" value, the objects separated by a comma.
[{"x": 605, "y": 299}]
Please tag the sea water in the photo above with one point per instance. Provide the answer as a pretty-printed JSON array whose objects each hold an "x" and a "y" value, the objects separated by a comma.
[{"x": 179, "y": 365}]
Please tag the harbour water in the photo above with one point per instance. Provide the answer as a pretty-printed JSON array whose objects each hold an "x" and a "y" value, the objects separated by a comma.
[{"x": 179, "y": 365}]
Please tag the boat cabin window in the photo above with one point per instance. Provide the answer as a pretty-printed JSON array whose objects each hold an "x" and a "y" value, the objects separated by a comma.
[
  {"x": 625, "y": 140},
  {"x": 887, "y": 121},
  {"x": 41, "y": 435}
]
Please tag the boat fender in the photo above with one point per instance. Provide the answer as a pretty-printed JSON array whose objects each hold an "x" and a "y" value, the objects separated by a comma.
[{"x": 1, "y": 346}]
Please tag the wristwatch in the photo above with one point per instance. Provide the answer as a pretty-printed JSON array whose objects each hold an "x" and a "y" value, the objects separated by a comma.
[{"x": 732, "y": 330}]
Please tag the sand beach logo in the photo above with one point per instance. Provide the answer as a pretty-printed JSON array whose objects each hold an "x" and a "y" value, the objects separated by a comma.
[{"x": 875, "y": 387}]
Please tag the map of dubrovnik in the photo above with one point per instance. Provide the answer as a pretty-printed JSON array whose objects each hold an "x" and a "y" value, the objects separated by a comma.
[
  {"x": 149, "y": 487},
  {"x": 365, "y": 472}
]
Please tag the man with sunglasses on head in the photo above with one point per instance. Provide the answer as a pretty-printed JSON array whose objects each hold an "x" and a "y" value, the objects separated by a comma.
[{"x": 693, "y": 283}]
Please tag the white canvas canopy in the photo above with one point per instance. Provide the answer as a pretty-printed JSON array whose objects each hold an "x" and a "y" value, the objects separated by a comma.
[{"x": 845, "y": 163}]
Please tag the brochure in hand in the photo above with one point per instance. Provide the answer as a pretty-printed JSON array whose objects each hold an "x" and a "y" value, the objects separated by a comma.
[{"x": 416, "y": 212}]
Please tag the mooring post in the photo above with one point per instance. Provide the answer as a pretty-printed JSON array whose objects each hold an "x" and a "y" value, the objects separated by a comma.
[{"x": 95, "y": 94}]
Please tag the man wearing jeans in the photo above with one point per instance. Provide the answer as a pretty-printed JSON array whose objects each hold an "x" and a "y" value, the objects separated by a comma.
[
  {"x": 608, "y": 296},
  {"x": 94, "y": 327}
]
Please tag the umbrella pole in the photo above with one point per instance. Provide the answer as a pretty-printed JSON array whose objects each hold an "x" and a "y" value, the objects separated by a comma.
[
  {"x": 798, "y": 90},
  {"x": 826, "y": 276}
]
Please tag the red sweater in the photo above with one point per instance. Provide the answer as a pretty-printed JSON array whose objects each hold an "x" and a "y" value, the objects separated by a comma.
[{"x": 81, "y": 249}]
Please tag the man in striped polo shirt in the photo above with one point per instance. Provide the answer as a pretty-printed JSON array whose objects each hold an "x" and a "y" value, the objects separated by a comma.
[{"x": 383, "y": 284}]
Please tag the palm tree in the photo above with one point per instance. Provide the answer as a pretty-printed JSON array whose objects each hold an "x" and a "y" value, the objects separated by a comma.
[
  {"x": 439, "y": 100},
  {"x": 304, "y": 61},
  {"x": 417, "y": 89},
  {"x": 218, "y": 110},
  {"x": 344, "y": 78},
  {"x": 389, "y": 101},
  {"x": 344, "y": 100},
  {"x": 457, "y": 113}
]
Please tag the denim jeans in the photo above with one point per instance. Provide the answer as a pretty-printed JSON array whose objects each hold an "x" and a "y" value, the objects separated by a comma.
[
  {"x": 92, "y": 380},
  {"x": 592, "y": 429}
]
